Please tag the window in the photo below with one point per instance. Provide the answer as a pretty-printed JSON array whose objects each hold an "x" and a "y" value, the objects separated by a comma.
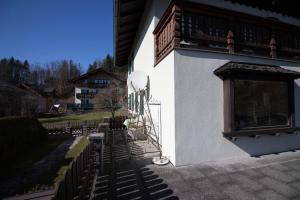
[
  {"x": 260, "y": 103},
  {"x": 84, "y": 91},
  {"x": 258, "y": 99},
  {"x": 101, "y": 81}
]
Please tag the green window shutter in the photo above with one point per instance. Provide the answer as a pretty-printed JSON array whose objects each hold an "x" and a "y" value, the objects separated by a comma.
[
  {"x": 129, "y": 101},
  {"x": 132, "y": 101},
  {"x": 141, "y": 104},
  {"x": 132, "y": 63},
  {"x": 128, "y": 68},
  {"x": 148, "y": 89},
  {"x": 136, "y": 102}
]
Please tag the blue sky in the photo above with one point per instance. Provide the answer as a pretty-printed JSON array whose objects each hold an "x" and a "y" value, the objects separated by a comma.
[{"x": 42, "y": 31}]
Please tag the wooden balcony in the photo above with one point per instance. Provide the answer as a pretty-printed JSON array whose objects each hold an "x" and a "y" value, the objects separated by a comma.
[
  {"x": 97, "y": 85},
  {"x": 203, "y": 27},
  {"x": 85, "y": 95}
]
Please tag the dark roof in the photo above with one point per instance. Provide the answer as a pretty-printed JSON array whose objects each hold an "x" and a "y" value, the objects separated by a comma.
[
  {"x": 232, "y": 68},
  {"x": 285, "y": 7},
  {"x": 127, "y": 16},
  {"x": 29, "y": 89},
  {"x": 49, "y": 90},
  {"x": 95, "y": 71}
]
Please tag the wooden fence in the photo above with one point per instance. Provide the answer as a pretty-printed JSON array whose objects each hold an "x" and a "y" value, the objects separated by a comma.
[
  {"x": 74, "y": 124},
  {"x": 78, "y": 180},
  {"x": 73, "y": 128},
  {"x": 85, "y": 127}
]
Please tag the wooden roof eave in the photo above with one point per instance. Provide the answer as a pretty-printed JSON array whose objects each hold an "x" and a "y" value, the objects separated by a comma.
[
  {"x": 232, "y": 68},
  {"x": 127, "y": 16}
]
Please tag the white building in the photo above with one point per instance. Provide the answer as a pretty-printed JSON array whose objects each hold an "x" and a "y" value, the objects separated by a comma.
[
  {"x": 225, "y": 74},
  {"x": 94, "y": 87}
]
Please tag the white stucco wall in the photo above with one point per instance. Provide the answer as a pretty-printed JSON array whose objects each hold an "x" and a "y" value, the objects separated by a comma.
[
  {"x": 199, "y": 111},
  {"x": 161, "y": 76},
  {"x": 162, "y": 89},
  {"x": 191, "y": 96}
]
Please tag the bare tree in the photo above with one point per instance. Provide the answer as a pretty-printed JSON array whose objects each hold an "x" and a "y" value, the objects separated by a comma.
[{"x": 112, "y": 102}]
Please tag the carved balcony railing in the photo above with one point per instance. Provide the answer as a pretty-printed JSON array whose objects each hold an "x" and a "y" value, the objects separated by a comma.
[
  {"x": 85, "y": 95},
  {"x": 167, "y": 33},
  {"x": 191, "y": 25}
]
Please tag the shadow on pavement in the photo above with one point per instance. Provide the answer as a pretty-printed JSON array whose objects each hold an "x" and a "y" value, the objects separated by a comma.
[{"x": 126, "y": 177}]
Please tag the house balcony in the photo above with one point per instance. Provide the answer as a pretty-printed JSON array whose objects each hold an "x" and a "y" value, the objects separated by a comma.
[
  {"x": 82, "y": 106},
  {"x": 189, "y": 25},
  {"x": 85, "y": 95}
]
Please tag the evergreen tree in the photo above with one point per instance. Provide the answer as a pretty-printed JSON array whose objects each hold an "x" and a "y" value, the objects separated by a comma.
[
  {"x": 107, "y": 63},
  {"x": 92, "y": 66},
  {"x": 4, "y": 70},
  {"x": 26, "y": 72}
]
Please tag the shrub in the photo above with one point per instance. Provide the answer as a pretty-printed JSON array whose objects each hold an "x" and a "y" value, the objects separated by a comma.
[{"x": 18, "y": 135}]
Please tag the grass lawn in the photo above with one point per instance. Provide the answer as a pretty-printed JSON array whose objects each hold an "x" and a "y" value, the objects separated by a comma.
[
  {"x": 70, "y": 155},
  {"x": 77, "y": 117},
  {"x": 24, "y": 162},
  {"x": 50, "y": 177},
  {"x": 36, "y": 154},
  {"x": 29, "y": 157},
  {"x": 56, "y": 173}
]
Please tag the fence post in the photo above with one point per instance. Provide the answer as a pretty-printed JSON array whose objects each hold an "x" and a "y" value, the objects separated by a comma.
[
  {"x": 68, "y": 184},
  {"x": 74, "y": 178}
]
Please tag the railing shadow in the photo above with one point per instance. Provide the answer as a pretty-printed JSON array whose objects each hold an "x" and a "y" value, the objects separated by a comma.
[{"x": 128, "y": 176}]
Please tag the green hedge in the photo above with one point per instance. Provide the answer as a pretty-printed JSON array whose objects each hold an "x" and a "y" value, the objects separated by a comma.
[{"x": 18, "y": 135}]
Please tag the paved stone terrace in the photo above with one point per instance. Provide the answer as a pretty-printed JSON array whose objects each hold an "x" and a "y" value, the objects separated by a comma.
[{"x": 271, "y": 177}]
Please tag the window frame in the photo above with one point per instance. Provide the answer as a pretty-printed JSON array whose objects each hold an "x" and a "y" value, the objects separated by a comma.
[{"x": 229, "y": 107}]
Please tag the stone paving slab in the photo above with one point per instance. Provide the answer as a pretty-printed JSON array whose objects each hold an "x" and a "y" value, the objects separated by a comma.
[{"x": 270, "y": 177}]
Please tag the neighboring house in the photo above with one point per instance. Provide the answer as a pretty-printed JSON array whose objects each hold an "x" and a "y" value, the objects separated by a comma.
[
  {"x": 32, "y": 101},
  {"x": 94, "y": 87},
  {"x": 224, "y": 74},
  {"x": 20, "y": 100}
]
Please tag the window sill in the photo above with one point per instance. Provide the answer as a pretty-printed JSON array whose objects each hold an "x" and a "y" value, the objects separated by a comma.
[{"x": 264, "y": 131}]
